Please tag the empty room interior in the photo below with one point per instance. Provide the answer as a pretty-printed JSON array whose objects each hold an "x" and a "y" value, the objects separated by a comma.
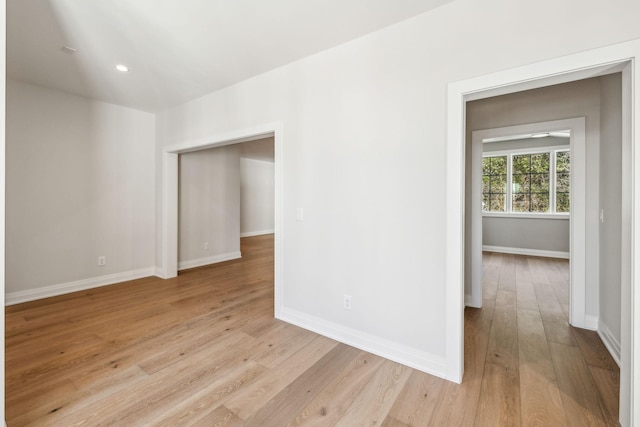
[{"x": 321, "y": 213}]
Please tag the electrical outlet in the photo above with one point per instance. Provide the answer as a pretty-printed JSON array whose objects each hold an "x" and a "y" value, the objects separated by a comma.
[
  {"x": 206, "y": 246},
  {"x": 347, "y": 302},
  {"x": 102, "y": 260}
]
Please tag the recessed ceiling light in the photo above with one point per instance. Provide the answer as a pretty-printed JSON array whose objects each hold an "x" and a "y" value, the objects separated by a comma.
[
  {"x": 122, "y": 68},
  {"x": 68, "y": 49}
]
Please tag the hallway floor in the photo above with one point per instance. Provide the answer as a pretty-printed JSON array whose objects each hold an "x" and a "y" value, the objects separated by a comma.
[{"x": 536, "y": 367}]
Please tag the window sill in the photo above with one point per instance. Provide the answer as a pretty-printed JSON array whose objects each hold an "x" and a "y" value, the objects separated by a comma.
[{"x": 525, "y": 215}]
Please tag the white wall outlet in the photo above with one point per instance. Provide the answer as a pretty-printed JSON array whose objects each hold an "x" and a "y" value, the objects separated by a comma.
[
  {"x": 299, "y": 214},
  {"x": 102, "y": 260},
  {"x": 206, "y": 246},
  {"x": 347, "y": 302}
]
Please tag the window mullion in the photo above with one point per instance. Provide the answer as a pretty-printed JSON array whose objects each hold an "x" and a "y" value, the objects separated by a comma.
[
  {"x": 530, "y": 182},
  {"x": 508, "y": 195},
  {"x": 552, "y": 181}
]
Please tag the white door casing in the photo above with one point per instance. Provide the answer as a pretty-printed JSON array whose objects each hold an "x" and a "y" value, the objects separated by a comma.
[{"x": 591, "y": 63}]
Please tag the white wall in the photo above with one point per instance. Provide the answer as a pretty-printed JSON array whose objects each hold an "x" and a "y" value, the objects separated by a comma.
[
  {"x": 257, "y": 195},
  {"x": 80, "y": 184},
  {"x": 611, "y": 202},
  {"x": 364, "y": 131},
  {"x": 575, "y": 99},
  {"x": 209, "y": 207},
  {"x": 531, "y": 233}
]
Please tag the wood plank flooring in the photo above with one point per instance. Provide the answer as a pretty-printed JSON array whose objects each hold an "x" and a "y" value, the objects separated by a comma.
[{"x": 203, "y": 349}]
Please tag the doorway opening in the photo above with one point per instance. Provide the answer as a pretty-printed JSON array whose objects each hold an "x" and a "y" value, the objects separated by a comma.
[
  {"x": 225, "y": 194},
  {"x": 572, "y": 130},
  {"x": 597, "y": 62},
  {"x": 168, "y": 253},
  {"x": 521, "y": 216}
]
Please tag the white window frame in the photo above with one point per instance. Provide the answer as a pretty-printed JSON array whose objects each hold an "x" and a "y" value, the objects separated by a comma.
[{"x": 552, "y": 150}]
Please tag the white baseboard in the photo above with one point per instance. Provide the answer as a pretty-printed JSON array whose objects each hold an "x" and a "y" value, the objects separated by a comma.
[
  {"x": 470, "y": 301},
  {"x": 160, "y": 272},
  {"x": 609, "y": 341},
  {"x": 183, "y": 265},
  {"x": 523, "y": 251},
  {"x": 414, "y": 358},
  {"x": 590, "y": 322},
  {"x": 256, "y": 233},
  {"x": 78, "y": 285}
]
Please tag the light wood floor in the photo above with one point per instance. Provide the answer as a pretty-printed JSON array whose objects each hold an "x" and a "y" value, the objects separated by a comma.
[{"x": 203, "y": 349}]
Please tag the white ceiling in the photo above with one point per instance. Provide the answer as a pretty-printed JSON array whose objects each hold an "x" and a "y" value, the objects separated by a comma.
[{"x": 178, "y": 50}]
